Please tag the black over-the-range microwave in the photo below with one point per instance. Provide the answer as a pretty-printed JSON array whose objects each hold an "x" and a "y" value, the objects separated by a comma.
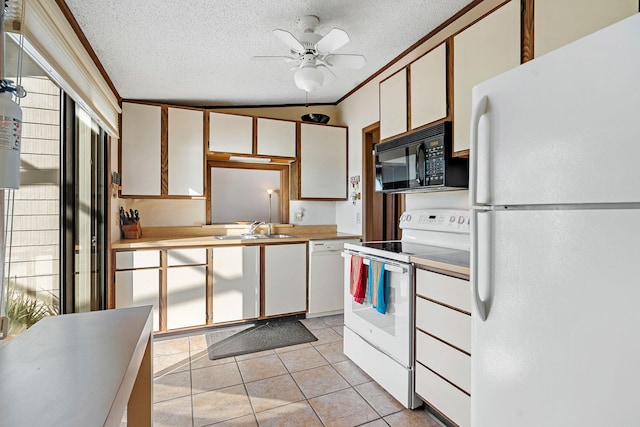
[{"x": 420, "y": 161}]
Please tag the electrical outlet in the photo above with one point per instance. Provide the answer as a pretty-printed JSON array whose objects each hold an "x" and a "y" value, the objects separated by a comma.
[{"x": 358, "y": 217}]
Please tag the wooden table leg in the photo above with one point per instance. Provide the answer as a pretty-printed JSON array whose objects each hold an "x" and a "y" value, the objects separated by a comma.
[{"x": 140, "y": 408}]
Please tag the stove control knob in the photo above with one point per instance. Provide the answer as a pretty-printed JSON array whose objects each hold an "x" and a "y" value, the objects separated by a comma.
[
  {"x": 452, "y": 219},
  {"x": 460, "y": 219}
]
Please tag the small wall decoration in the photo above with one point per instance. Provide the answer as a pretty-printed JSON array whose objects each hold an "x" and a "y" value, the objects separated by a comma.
[{"x": 355, "y": 188}]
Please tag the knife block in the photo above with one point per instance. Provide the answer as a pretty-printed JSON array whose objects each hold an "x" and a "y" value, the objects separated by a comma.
[{"x": 132, "y": 231}]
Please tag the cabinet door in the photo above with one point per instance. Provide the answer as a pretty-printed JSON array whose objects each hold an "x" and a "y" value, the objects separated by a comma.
[
  {"x": 428, "y": 85},
  {"x": 393, "y": 105},
  {"x": 229, "y": 133},
  {"x": 276, "y": 137},
  {"x": 285, "y": 279},
  {"x": 487, "y": 48},
  {"x": 140, "y": 147},
  {"x": 236, "y": 283},
  {"x": 323, "y": 162},
  {"x": 186, "y": 296},
  {"x": 186, "y": 152},
  {"x": 559, "y": 22},
  {"x": 139, "y": 287}
]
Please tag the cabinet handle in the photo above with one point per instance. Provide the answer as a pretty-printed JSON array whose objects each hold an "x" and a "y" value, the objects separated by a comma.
[
  {"x": 475, "y": 279},
  {"x": 478, "y": 111}
]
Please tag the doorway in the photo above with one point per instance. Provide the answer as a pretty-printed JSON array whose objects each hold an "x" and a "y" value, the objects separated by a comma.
[{"x": 381, "y": 212}]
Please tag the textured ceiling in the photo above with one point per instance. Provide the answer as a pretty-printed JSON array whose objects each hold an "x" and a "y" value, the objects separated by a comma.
[{"x": 200, "y": 52}]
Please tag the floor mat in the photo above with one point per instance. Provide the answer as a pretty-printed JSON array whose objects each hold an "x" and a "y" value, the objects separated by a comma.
[{"x": 266, "y": 335}]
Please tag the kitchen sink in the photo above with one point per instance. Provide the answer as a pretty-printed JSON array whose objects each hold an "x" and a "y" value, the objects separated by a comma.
[
  {"x": 242, "y": 237},
  {"x": 254, "y": 236}
]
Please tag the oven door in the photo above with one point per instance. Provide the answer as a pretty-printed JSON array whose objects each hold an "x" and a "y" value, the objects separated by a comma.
[{"x": 392, "y": 332}]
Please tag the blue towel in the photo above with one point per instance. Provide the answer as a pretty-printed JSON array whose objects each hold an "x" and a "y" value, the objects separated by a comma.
[{"x": 377, "y": 286}]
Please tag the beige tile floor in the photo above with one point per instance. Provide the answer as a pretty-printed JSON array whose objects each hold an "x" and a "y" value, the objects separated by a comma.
[{"x": 305, "y": 385}]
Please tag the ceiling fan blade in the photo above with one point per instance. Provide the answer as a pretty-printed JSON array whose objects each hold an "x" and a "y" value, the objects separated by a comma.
[
  {"x": 270, "y": 57},
  {"x": 288, "y": 75},
  {"x": 346, "y": 60},
  {"x": 289, "y": 40},
  {"x": 333, "y": 40},
  {"x": 329, "y": 77}
]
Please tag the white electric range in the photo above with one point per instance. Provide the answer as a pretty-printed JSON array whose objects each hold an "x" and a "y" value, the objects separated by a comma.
[{"x": 383, "y": 344}]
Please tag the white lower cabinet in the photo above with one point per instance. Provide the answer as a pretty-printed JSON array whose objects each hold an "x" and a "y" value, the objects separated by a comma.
[
  {"x": 139, "y": 287},
  {"x": 285, "y": 279},
  {"x": 443, "y": 345},
  {"x": 236, "y": 283},
  {"x": 186, "y": 296}
]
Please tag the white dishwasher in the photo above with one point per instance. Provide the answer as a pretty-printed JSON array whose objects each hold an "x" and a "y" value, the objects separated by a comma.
[{"x": 326, "y": 276}]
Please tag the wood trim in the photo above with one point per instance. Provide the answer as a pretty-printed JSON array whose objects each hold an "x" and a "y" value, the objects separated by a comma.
[
  {"x": 210, "y": 283},
  {"x": 87, "y": 46},
  {"x": 435, "y": 31},
  {"x": 368, "y": 177},
  {"x": 449, "y": 61},
  {"x": 206, "y": 178},
  {"x": 527, "y": 38},
  {"x": 119, "y": 150},
  {"x": 408, "y": 92},
  {"x": 298, "y": 167},
  {"x": 167, "y": 197},
  {"x": 262, "y": 283},
  {"x": 164, "y": 150},
  {"x": 254, "y": 148},
  {"x": 284, "y": 201},
  {"x": 162, "y": 304}
]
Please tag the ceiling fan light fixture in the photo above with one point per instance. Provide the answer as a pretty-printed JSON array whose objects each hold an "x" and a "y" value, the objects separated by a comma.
[{"x": 308, "y": 79}]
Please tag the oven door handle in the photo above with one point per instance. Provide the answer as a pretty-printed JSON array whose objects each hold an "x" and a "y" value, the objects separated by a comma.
[{"x": 389, "y": 266}]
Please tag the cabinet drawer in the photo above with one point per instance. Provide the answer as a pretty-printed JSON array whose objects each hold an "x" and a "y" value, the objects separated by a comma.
[
  {"x": 137, "y": 259},
  {"x": 445, "y": 289},
  {"x": 447, "y": 399},
  {"x": 197, "y": 256},
  {"x": 447, "y": 361},
  {"x": 449, "y": 325}
]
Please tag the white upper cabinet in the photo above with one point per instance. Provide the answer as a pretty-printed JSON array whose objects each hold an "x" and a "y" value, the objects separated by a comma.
[
  {"x": 428, "y": 86},
  {"x": 140, "y": 148},
  {"x": 186, "y": 152},
  {"x": 323, "y": 162},
  {"x": 276, "y": 137},
  {"x": 230, "y": 133},
  {"x": 559, "y": 22},
  {"x": 393, "y": 105},
  {"x": 487, "y": 48}
]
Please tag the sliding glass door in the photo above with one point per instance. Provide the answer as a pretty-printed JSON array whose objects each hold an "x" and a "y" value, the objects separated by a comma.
[{"x": 84, "y": 284}]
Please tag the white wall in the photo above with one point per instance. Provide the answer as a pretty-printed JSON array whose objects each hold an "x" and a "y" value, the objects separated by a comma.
[{"x": 314, "y": 213}]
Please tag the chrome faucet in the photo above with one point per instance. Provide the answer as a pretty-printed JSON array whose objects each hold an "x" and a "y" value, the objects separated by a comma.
[{"x": 255, "y": 225}]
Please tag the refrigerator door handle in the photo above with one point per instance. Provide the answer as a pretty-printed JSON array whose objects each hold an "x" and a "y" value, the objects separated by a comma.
[
  {"x": 475, "y": 279},
  {"x": 478, "y": 111}
]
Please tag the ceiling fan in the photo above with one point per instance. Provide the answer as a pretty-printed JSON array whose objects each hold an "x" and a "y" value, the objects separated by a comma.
[{"x": 313, "y": 54}]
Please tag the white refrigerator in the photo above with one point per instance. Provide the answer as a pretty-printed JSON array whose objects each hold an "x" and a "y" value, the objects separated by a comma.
[{"x": 555, "y": 270}]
